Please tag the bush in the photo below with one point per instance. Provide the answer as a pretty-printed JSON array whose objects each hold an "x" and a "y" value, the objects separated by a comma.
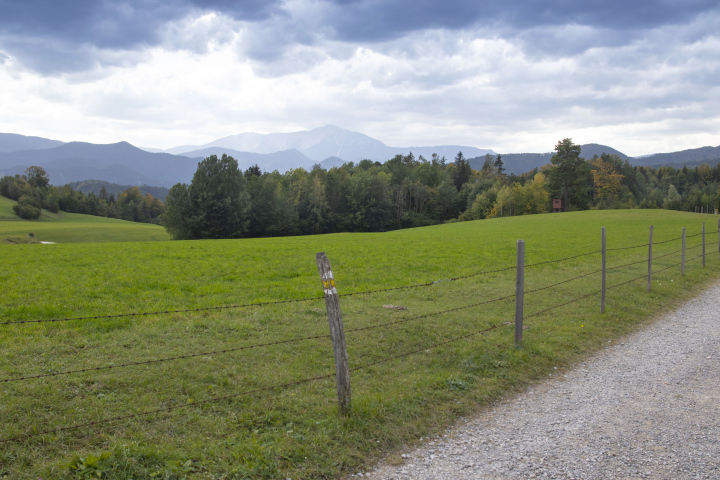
[{"x": 27, "y": 208}]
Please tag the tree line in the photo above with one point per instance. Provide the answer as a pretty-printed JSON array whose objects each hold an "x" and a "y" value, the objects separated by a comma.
[
  {"x": 404, "y": 192},
  {"x": 223, "y": 202},
  {"x": 34, "y": 192}
]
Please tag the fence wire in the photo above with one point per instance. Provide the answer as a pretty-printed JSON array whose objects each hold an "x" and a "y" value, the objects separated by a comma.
[
  {"x": 625, "y": 283},
  {"x": 161, "y": 360},
  {"x": 163, "y": 409},
  {"x": 365, "y": 292},
  {"x": 405, "y": 320},
  {"x": 563, "y": 259},
  {"x": 329, "y": 375},
  {"x": 164, "y": 312},
  {"x": 247, "y": 305},
  {"x": 427, "y": 347},
  {"x": 667, "y": 254},
  {"x": 561, "y": 305},
  {"x": 671, "y": 240},
  {"x": 607, "y": 288},
  {"x": 627, "y": 248},
  {"x": 236, "y": 395},
  {"x": 627, "y": 264},
  {"x": 454, "y": 279},
  {"x": 564, "y": 281}
]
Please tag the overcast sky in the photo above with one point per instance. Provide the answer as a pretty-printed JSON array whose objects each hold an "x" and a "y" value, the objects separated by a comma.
[{"x": 514, "y": 76}]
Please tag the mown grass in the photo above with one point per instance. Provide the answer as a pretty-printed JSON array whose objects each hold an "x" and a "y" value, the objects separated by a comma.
[
  {"x": 72, "y": 228},
  {"x": 295, "y": 432}
]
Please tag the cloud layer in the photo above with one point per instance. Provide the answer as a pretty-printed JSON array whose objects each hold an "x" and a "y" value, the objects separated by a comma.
[{"x": 512, "y": 76}]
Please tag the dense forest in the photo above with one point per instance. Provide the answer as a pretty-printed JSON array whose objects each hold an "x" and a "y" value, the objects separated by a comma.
[
  {"x": 223, "y": 202},
  {"x": 96, "y": 187},
  {"x": 408, "y": 192},
  {"x": 33, "y": 192}
]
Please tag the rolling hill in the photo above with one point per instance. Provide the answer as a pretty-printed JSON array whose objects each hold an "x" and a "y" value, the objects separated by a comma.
[
  {"x": 117, "y": 163},
  {"x": 72, "y": 228}
]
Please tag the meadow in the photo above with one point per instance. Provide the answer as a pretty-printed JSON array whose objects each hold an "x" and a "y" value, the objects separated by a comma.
[
  {"x": 227, "y": 418},
  {"x": 72, "y": 228}
]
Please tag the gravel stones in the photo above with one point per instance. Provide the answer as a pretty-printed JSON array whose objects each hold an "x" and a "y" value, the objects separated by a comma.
[{"x": 646, "y": 407}]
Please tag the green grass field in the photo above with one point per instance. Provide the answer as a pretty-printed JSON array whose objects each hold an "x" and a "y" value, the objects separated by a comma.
[
  {"x": 219, "y": 430},
  {"x": 72, "y": 228}
]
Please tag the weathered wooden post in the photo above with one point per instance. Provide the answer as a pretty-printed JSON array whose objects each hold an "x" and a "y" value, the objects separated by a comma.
[
  {"x": 718, "y": 237},
  {"x": 682, "y": 264},
  {"x": 602, "y": 294},
  {"x": 519, "y": 291},
  {"x": 332, "y": 304},
  {"x": 650, "y": 259},
  {"x": 703, "y": 237}
]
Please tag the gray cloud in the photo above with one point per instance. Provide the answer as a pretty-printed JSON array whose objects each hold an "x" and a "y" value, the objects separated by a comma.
[
  {"x": 507, "y": 78},
  {"x": 52, "y": 37},
  {"x": 369, "y": 20}
]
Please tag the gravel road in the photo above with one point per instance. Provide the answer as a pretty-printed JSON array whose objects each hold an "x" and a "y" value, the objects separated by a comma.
[{"x": 648, "y": 407}]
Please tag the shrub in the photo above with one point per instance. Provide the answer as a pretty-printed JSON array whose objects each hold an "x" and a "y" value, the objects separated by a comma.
[{"x": 27, "y": 208}]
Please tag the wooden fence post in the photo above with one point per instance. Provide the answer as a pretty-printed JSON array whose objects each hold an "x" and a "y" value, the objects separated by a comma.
[
  {"x": 703, "y": 238},
  {"x": 650, "y": 259},
  {"x": 682, "y": 264},
  {"x": 332, "y": 304},
  {"x": 602, "y": 294},
  {"x": 519, "y": 291},
  {"x": 719, "y": 237}
]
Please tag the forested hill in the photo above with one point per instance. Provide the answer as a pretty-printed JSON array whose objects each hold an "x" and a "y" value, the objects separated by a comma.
[
  {"x": 95, "y": 186},
  {"x": 519, "y": 163},
  {"x": 692, "y": 157}
]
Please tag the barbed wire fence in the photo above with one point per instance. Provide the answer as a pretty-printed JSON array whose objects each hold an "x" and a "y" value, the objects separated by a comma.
[{"x": 337, "y": 332}]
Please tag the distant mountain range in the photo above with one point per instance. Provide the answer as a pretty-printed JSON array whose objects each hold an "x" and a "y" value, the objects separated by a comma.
[
  {"x": 324, "y": 142},
  {"x": 119, "y": 163},
  {"x": 124, "y": 164},
  {"x": 280, "y": 161}
]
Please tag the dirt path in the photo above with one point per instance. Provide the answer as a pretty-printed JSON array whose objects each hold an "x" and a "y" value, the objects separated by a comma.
[{"x": 648, "y": 407}]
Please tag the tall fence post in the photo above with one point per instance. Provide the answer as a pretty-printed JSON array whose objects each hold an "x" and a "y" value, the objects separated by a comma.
[
  {"x": 719, "y": 237},
  {"x": 519, "y": 291},
  {"x": 332, "y": 304},
  {"x": 650, "y": 259},
  {"x": 682, "y": 263},
  {"x": 703, "y": 235},
  {"x": 602, "y": 294}
]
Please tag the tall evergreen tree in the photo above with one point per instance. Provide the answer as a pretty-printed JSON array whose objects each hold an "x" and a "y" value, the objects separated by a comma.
[
  {"x": 499, "y": 165},
  {"x": 462, "y": 171},
  {"x": 569, "y": 170}
]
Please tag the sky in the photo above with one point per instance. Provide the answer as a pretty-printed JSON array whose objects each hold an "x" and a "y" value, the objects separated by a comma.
[{"x": 514, "y": 76}]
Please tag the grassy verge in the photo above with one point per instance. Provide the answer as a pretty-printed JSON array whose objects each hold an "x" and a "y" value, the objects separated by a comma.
[
  {"x": 221, "y": 430},
  {"x": 72, "y": 228}
]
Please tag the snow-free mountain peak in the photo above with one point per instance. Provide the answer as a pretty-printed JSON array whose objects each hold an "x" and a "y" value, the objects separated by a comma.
[{"x": 328, "y": 141}]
